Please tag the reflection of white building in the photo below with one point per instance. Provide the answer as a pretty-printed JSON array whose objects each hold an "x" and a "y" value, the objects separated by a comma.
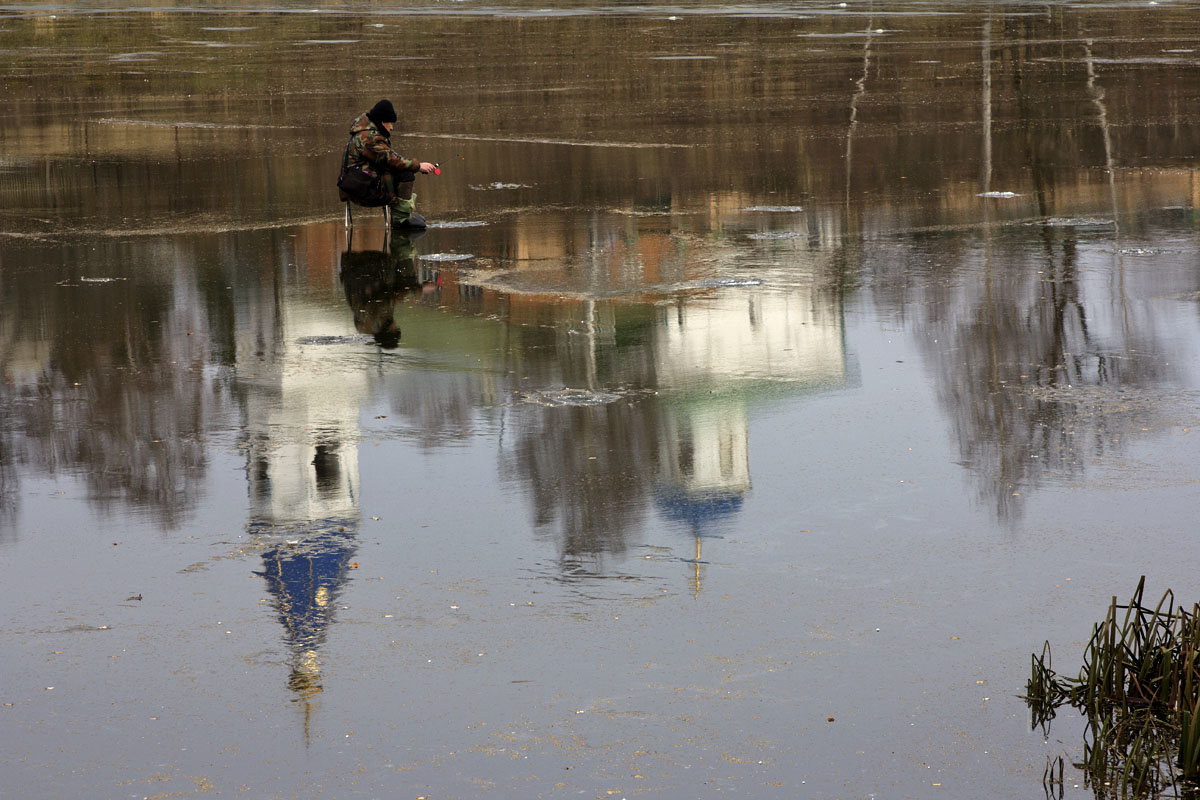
[
  {"x": 302, "y": 405},
  {"x": 302, "y": 421},
  {"x": 753, "y": 334},
  {"x": 705, "y": 450},
  {"x": 714, "y": 356}
]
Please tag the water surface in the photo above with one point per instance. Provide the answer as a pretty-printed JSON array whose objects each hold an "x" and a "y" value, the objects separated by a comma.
[{"x": 772, "y": 381}]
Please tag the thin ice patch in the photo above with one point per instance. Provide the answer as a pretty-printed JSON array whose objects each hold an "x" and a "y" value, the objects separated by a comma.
[
  {"x": 538, "y": 140},
  {"x": 1075, "y": 222},
  {"x": 770, "y": 235},
  {"x": 498, "y": 185},
  {"x": 86, "y": 281},
  {"x": 326, "y": 341},
  {"x": 458, "y": 224},
  {"x": 447, "y": 257},
  {"x": 712, "y": 283},
  {"x": 147, "y": 55},
  {"x": 557, "y": 398},
  {"x": 724, "y": 283},
  {"x": 206, "y": 43},
  {"x": 154, "y": 123}
]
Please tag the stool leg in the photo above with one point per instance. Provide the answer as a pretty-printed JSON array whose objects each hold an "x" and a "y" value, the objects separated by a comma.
[
  {"x": 348, "y": 221},
  {"x": 387, "y": 216}
]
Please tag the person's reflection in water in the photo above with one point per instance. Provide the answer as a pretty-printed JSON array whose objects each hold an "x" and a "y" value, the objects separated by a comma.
[{"x": 376, "y": 280}]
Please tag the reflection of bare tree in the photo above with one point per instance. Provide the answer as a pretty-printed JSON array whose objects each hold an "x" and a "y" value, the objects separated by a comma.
[
  {"x": 108, "y": 382},
  {"x": 1031, "y": 388},
  {"x": 9, "y": 487},
  {"x": 590, "y": 469}
]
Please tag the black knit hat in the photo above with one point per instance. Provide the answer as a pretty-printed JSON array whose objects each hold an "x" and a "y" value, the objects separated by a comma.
[{"x": 382, "y": 112}]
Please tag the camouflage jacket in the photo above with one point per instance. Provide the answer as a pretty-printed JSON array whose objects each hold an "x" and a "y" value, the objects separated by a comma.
[{"x": 370, "y": 146}]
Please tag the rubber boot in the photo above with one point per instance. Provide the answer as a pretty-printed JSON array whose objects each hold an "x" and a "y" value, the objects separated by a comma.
[{"x": 404, "y": 214}]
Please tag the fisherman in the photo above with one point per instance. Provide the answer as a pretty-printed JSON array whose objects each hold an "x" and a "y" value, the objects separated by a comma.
[{"x": 373, "y": 174}]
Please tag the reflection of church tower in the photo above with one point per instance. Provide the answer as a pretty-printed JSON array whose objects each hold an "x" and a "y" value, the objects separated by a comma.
[
  {"x": 305, "y": 579},
  {"x": 302, "y": 469},
  {"x": 705, "y": 467},
  {"x": 716, "y": 356}
]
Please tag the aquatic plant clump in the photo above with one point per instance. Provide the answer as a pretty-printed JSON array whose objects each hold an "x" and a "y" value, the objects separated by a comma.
[{"x": 1139, "y": 689}]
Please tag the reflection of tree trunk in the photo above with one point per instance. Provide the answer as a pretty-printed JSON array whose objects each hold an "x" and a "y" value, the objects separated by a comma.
[
  {"x": 1064, "y": 294},
  {"x": 987, "y": 107},
  {"x": 859, "y": 90},
  {"x": 994, "y": 367},
  {"x": 1041, "y": 169},
  {"x": 1097, "y": 95}
]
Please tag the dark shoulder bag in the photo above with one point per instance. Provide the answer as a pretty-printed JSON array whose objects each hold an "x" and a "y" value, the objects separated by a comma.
[{"x": 363, "y": 186}]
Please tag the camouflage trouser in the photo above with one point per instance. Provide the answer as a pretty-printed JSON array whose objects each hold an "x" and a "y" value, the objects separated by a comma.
[{"x": 398, "y": 186}]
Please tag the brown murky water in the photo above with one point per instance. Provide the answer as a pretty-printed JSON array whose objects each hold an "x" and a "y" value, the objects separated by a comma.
[{"x": 772, "y": 381}]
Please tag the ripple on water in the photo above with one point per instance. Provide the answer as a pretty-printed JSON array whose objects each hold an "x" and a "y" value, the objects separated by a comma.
[{"x": 775, "y": 209}]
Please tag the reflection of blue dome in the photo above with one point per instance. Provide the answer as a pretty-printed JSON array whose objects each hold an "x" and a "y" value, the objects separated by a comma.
[
  {"x": 699, "y": 511},
  {"x": 305, "y": 580}
]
